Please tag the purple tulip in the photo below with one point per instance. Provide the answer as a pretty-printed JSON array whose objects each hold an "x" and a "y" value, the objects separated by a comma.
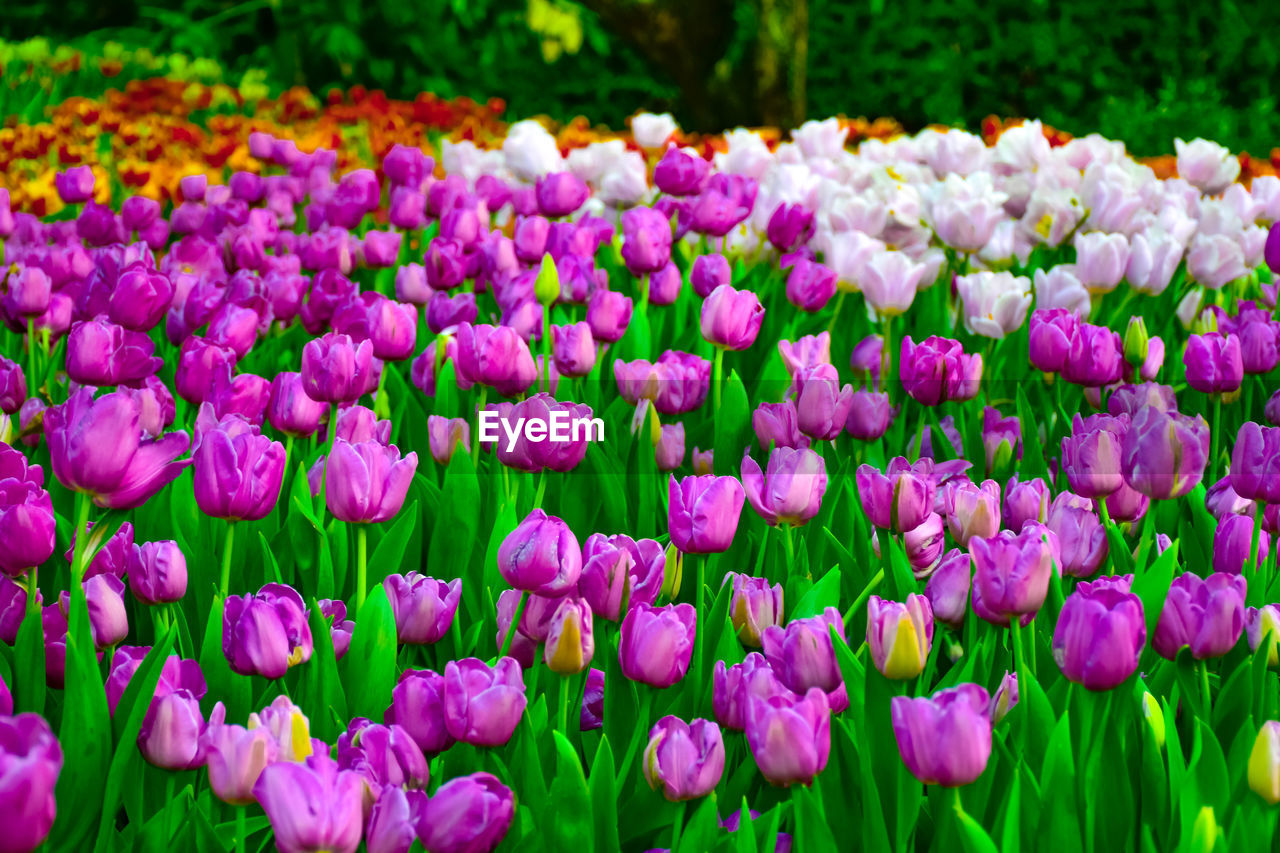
[
  {"x": 1096, "y": 357},
  {"x": 1262, "y": 626},
  {"x": 1081, "y": 537},
  {"x": 1164, "y": 454},
  {"x": 591, "y": 717},
  {"x": 900, "y": 499},
  {"x": 390, "y": 326},
  {"x": 290, "y": 410},
  {"x": 944, "y": 739},
  {"x": 972, "y": 510},
  {"x": 608, "y": 315},
  {"x": 1011, "y": 572},
  {"x": 1214, "y": 363},
  {"x": 246, "y": 395},
  {"x": 75, "y": 185},
  {"x": 27, "y": 522},
  {"x": 483, "y": 704},
  {"x": 101, "y": 353},
  {"x": 685, "y": 760},
  {"x": 731, "y": 318},
  {"x": 1052, "y": 331},
  {"x": 1099, "y": 636},
  {"x": 1255, "y": 463},
  {"x": 778, "y": 425},
  {"x": 392, "y": 826},
  {"x": 236, "y": 757},
  {"x": 703, "y": 513},
  {"x": 789, "y": 735},
  {"x": 899, "y": 635},
  {"x": 1025, "y": 501},
  {"x": 789, "y": 226},
  {"x": 446, "y": 312},
  {"x": 237, "y": 473},
  {"x": 172, "y": 732},
  {"x": 383, "y": 755},
  {"x": 367, "y": 482},
  {"x": 937, "y": 369},
  {"x": 266, "y": 633},
  {"x": 234, "y": 327},
  {"x": 1091, "y": 455},
  {"x": 30, "y": 763},
  {"x": 790, "y": 491},
  {"x": 822, "y": 406},
  {"x": 158, "y": 572},
  {"x": 541, "y": 556},
  {"x": 469, "y": 814},
  {"x": 13, "y": 386},
  {"x": 656, "y": 643},
  {"x": 810, "y": 285},
  {"x": 669, "y": 451},
  {"x": 709, "y": 272},
  {"x": 445, "y": 436},
  {"x": 330, "y": 797},
  {"x": 574, "y": 349},
  {"x": 732, "y": 688},
  {"x": 1207, "y": 615},
  {"x": 342, "y": 628},
  {"x": 417, "y": 704},
  {"x": 560, "y": 194},
  {"x": 199, "y": 363},
  {"x": 869, "y": 415},
  {"x": 424, "y": 607},
  {"x": 97, "y": 447},
  {"x": 1232, "y": 542},
  {"x": 495, "y": 356},
  {"x": 753, "y": 606},
  {"x": 802, "y": 655},
  {"x": 28, "y": 293},
  {"x": 1005, "y": 698},
  {"x": 646, "y": 240},
  {"x": 358, "y": 424},
  {"x": 664, "y": 285},
  {"x": 445, "y": 263},
  {"x": 714, "y": 212},
  {"x": 606, "y": 579},
  {"x": 335, "y": 369},
  {"x": 13, "y": 607},
  {"x": 681, "y": 172}
]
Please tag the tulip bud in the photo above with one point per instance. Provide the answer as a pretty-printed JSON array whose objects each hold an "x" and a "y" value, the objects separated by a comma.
[
  {"x": 754, "y": 606},
  {"x": 944, "y": 739},
  {"x": 1205, "y": 832},
  {"x": 32, "y": 758},
  {"x": 1136, "y": 342},
  {"x": 546, "y": 287},
  {"x": 685, "y": 760},
  {"x": 1005, "y": 698},
  {"x": 1262, "y": 627},
  {"x": 672, "y": 572},
  {"x": 541, "y": 556},
  {"x": 157, "y": 572},
  {"x": 1264, "y": 763},
  {"x": 1154, "y": 715},
  {"x": 483, "y": 704},
  {"x": 656, "y": 644}
]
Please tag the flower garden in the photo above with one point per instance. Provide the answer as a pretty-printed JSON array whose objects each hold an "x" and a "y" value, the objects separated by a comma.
[{"x": 934, "y": 502}]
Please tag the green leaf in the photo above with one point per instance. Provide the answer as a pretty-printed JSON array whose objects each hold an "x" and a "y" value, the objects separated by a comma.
[
  {"x": 132, "y": 708},
  {"x": 1033, "y": 462},
  {"x": 1152, "y": 586},
  {"x": 369, "y": 673},
  {"x": 702, "y": 828},
  {"x": 29, "y": 682},
  {"x": 732, "y": 421},
  {"x": 1059, "y": 811},
  {"x": 233, "y": 690},
  {"x": 604, "y": 806},
  {"x": 812, "y": 831},
  {"x": 825, "y": 593},
  {"x": 569, "y": 824},
  {"x": 972, "y": 835},
  {"x": 320, "y": 687},
  {"x": 388, "y": 557}
]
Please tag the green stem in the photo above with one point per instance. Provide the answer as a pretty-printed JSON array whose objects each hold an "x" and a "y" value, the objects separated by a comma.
[
  {"x": 546, "y": 348},
  {"x": 1204, "y": 687},
  {"x": 240, "y": 829},
  {"x": 1250, "y": 569},
  {"x": 380, "y": 405},
  {"x": 920, "y": 433},
  {"x": 81, "y": 533},
  {"x": 564, "y": 705},
  {"x": 640, "y": 731},
  {"x": 861, "y": 600},
  {"x": 226, "y": 558},
  {"x": 33, "y": 383},
  {"x": 475, "y": 438},
  {"x": 328, "y": 451},
  {"x": 362, "y": 564},
  {"x": 1107, "y": 525},
  {"x": 717, "y": 376},
  {"x": 1214, "y": 438},
  {"x": 33, "y": 590},
  {"x": 515, "y": 621},
  {"x": 787, "y": 542},
  {"x": 835, "y": 315},
  {"x": 678, "y": 826},
  {"x": 886, "y": 360},
  {"x": 542, "y": 488},
  {"x": 288, "y": 452}
]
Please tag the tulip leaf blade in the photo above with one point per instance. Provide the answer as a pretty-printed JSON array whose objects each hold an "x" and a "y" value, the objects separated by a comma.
[
  {"x": 1059, "y": 810},
  {"x": 388, "y": 555},
  {"x": 972, "y": 836},
  {"x": 1152, "y": 585},
  {"x": 454, "y": 535},
  {"x": 1033, "y": 458},
  {"x": 320, "y": 687},
  {"x": 29, "y": 668},
  {"x": 571, "y": 825},
  {"x": 85, "y": 732},
  {"x": 604, "y": 806},
  {"x": 370, "y": 673},
  {"x": 731, "y": 421},
  {"x": 132, "y": 709},
  {"x": 825, "y": 593},
  {"x": 701, "y": 830}
]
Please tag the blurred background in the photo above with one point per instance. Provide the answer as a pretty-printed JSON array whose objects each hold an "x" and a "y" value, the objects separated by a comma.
[{"x": 1143, "y": 71}]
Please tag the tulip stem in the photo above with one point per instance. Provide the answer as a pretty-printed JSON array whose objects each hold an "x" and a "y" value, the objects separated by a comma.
[
  {"x": 678, "y": 826},
  {"x": 240, "y": 829},
  {"x": 1214, "y": 438},
  {"x": 80, "y": 534},
  {"x": 226, "y": 558},
  {"x": 515, "y": 621},
  {"x": 641, "y": 730},
  {"x": 328, "y": 451},
  {"x": 717, "y": 376},
  {"x": 861, "y": 600},
  {"x": 33, "y": 590},
  {"x": 362, "y": 564},
  {"x": 1204, "y": 687},
  {"x": 475, "y": 442},
  {"x": 33, "y": 384},
  {"x": 835, "y": 315},
  {"x": 920, "y": 433},
  {"x": 1250, "y": 569},
  {"x": 886, "y": 358},
  {"x": 1107, "y": 525},
  {"x": 564, "y": 705}
]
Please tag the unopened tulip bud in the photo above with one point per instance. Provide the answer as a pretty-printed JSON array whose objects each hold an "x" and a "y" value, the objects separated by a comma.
[
  {"x": 1264, "y": 763},
  {"x": 570, "y": 642},
  {"x": 1136, "y": 342},
  {"x": 546, "y": 287},
  {"x": 899, "y": 635},
  {"x": 1154, "y": 716},
  {"x": 754, "y": 606},
  {"x": 672, "y": 572}
]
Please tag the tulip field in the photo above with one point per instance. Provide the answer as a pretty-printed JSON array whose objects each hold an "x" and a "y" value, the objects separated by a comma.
[{"x": 382, "y": 475}]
